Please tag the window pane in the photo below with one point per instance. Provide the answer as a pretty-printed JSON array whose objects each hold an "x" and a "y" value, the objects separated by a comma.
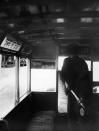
[
  {"x": 89, "y": 64},
  {"x": 7, "y": 84},
  {"x": 22, "y": 78},
  {"x": 95, "y": 71},
  {"x": 43, "y": 80},
  {"x": 60, "y": 61}
]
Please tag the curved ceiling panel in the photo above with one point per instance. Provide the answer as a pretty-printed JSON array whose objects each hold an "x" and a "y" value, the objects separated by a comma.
[{"x": 45, "y": 25}]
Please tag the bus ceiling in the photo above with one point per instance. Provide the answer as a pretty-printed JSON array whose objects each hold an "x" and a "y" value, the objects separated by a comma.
[
  {"x": 45, "y": 29},
  {"x": 47, "y": 49}
]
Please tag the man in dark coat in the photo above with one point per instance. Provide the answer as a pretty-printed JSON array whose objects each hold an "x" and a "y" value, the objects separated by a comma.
[{"x": 75, "y": 73}]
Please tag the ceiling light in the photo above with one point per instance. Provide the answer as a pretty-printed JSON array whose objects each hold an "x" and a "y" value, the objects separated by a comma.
[
  {"x": 60, "y": 20},
  {"x": 61, "y": 38},
  {"x": 33, "y": 9},
  {"x": 88, "y": 9},
  {"x": 11, "y": 25},
  {"x": 59, "y": 28},
  {"x": 21, "y": 32},
  {"x": 86, "y": 20},
  {"x": 60, "y": 33}
]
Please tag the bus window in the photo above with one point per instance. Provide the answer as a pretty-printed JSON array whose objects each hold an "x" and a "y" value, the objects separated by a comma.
[
  {"x": 60, "y": 61},
  {"x": 43, "y": 76},
  {"x": 89, "y": 64},
  {"x": 96, "y": 76},
  {"x": 7, "y": 84},
  {"x": 95, "y": 71},
  {"x": 22, "y": 78},
  {"x": 62, "y": 98}
]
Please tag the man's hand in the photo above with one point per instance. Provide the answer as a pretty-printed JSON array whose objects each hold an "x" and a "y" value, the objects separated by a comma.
[{"x": 67, "y": 89}]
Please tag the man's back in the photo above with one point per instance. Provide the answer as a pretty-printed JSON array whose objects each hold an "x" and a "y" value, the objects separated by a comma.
[{"x": 75, "y": 73}]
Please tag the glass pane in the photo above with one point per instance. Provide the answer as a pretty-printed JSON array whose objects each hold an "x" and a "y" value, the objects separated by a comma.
[
  {"x": 43, "y": 80},
  {"x": 22, "y": 78},
  {"x": 95, "y": 71},
  {"x": 60, "y": 61},
  {"x": 7, "y": 84},
  {"x": 89, "y": 64}
]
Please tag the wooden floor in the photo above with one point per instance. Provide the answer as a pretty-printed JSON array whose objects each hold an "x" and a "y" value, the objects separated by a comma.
[
  {"x": 63, "y": 123},
  {"x": 50, "y": 121},
  {"x": 42, "y": 121}
]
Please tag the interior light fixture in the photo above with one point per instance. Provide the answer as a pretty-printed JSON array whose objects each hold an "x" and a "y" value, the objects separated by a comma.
[
  {"x": 11, "y": 25},
  {"x": 21, "y": 32},
  {"x": 60, "y": 20},
  {"x": 60, "y": 33},
  {"x": 86, "y": 19}
]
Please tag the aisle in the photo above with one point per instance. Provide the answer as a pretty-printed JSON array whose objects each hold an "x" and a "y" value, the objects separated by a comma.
[
  {"x": 51, "y": 121},
  {"x": 43, "y": 121},
  {"x": 63, "y": 123}
]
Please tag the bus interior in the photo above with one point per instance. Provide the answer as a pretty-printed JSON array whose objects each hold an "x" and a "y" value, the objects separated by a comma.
[{"x": 35, "y": 36}]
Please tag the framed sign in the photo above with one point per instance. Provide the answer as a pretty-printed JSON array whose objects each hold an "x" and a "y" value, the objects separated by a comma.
[{"x": 10, "y": 45}]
